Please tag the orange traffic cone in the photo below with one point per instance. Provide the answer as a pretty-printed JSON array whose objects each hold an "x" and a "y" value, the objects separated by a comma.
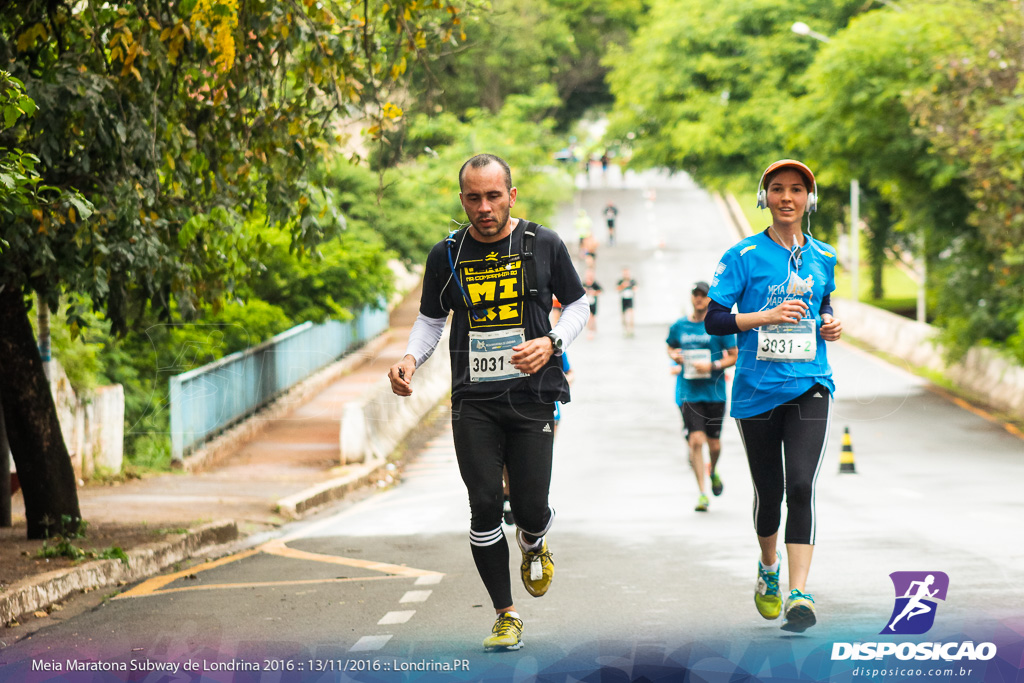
[{"x": 846, "y": 455}]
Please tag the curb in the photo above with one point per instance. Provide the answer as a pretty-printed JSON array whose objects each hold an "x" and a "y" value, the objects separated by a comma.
[
  {"x": 40, "y": 591},
  {"x": 297, "y": 505},
  {"x": 379, "y": 472}
]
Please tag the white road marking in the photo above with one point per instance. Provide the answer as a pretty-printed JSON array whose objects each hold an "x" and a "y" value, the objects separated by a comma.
[
  {"x": 429, "y": 580},
  {"x": 396, "y": 617},
  {"x": 416, "y": 596},
  {"x": 368, "y": 643}
]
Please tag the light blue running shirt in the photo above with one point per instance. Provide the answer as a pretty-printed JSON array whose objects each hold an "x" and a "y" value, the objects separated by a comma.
[
  {"x": 686, "y": 335},
  {"x": 757, "y": 274}
]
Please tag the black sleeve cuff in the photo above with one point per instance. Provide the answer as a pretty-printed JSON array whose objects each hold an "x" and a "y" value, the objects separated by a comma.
[
  {"x": 826, "y": 306},
  {"x": 720, "y": 320}
]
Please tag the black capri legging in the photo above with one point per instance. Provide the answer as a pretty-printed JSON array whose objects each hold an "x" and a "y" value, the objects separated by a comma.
[{"x": 784, "y": 448}]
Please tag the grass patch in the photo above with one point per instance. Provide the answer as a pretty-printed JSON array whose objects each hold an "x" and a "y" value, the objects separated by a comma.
[
  {"x": 62, "y": 547},
  {"x": 897, "y": 285},
  {"x": 114, "y": 552},
  {"x": 759, "y": 219},
  {"x": 148, "y": 453}
]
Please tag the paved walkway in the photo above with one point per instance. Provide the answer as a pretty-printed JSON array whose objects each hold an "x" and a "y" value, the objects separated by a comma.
[
  {"x": 290, "y": 454},
  {"x": 292, "y": 458}
]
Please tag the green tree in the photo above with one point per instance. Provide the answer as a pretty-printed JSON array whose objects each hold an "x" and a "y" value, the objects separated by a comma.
[
  {"x": 520, "y": 44},
  {"x": 178, "y": 122},
  {"x": 419, "y": 199},
  {"x": 858, "y": 117},
  {"x": 521, "y": 132},
  {"x": 347, "y": 272},
  {"x": 703, "y": 85},
  {"x": 855, "y": 110},
  {"x": 973, "y": 118},
  {"x": 23, "y": 396}
]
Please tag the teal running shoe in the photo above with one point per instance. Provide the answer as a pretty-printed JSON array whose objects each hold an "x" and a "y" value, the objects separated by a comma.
[
  {"x": 766, "y": 594},
  {"x": 799, "y": 612}
]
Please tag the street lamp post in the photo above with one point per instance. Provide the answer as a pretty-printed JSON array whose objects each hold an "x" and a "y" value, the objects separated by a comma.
[
  {"x": 802, "y": 29},
  {"x": 855, "y": 237},
  {"x": 922, "y": 283}
]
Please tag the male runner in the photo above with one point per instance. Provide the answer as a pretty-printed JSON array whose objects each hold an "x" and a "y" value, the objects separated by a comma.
[
  {"x": 593, "y": 291},
  {"x": 611, "y": 212},
  {"x": 627, "y": 287},
  {"x": 700, "y": 388},
  {"x": 506, "y": 373}
]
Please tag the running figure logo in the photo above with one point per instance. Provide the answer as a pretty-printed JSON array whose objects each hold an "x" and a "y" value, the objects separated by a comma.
[{"x": 916, "y": 595}]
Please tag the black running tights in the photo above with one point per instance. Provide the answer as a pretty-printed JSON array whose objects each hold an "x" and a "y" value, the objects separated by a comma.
[
  {"x": 488, "y": 435},
  {"x": 784, "y": 450}
]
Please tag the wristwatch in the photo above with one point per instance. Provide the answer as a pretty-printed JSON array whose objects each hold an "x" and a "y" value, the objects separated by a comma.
[{"x": 556, "y": 342}]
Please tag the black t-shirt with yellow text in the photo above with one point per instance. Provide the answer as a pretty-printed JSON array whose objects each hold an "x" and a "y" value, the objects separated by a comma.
[{"x": 492, "y": 276}]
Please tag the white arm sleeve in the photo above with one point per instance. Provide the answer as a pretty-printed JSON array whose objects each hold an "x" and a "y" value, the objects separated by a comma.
[
  {"x": 572, "y": 321},
  {"x": 426, "y": 333}
]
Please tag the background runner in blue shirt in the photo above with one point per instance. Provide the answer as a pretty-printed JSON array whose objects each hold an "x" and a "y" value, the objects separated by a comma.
[
  {"x": 780, "y": 281},
  {"x": 700, "y": 387}
]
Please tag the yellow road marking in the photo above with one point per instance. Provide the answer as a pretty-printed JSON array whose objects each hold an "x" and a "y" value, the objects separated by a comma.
[
  {"x": 155, "y": 585},
  {"x": 262, "y": 584},
  {"x": 158, "y": 582},
  {"x": 280, "y": 549},
  {"x": 985, "y": 415}
]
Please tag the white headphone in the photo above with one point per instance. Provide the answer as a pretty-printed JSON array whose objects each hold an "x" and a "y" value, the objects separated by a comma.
[{"x": 762, "y": 191}]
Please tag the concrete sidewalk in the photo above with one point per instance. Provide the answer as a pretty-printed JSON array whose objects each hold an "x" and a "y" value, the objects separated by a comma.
[{"x": 278, "y": 465}]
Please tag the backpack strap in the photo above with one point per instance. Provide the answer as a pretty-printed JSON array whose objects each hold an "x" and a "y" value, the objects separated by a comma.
[
  {"x": 528, "y": 243},
  {"x": 529, "y": 260},
  {"x": 451, "y": 241}
]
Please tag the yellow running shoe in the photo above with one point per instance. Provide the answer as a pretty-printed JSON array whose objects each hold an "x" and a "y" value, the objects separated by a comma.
[
  {"x": 506, "y": 635},
  {"x": 537, "y": 569},
  {"x": 766, "y": 594}
]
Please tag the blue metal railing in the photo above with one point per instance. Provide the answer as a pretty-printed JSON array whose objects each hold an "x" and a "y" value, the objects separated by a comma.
[{"x": 207, "y": 400}]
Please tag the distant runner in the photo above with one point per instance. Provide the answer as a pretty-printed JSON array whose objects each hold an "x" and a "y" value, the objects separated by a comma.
[
  {"x": 627, "y": 289},
  {"x": 611, "y": 212}
]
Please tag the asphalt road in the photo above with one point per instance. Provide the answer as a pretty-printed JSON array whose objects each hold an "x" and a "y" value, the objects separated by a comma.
[{"x": 385, "y": 588}]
